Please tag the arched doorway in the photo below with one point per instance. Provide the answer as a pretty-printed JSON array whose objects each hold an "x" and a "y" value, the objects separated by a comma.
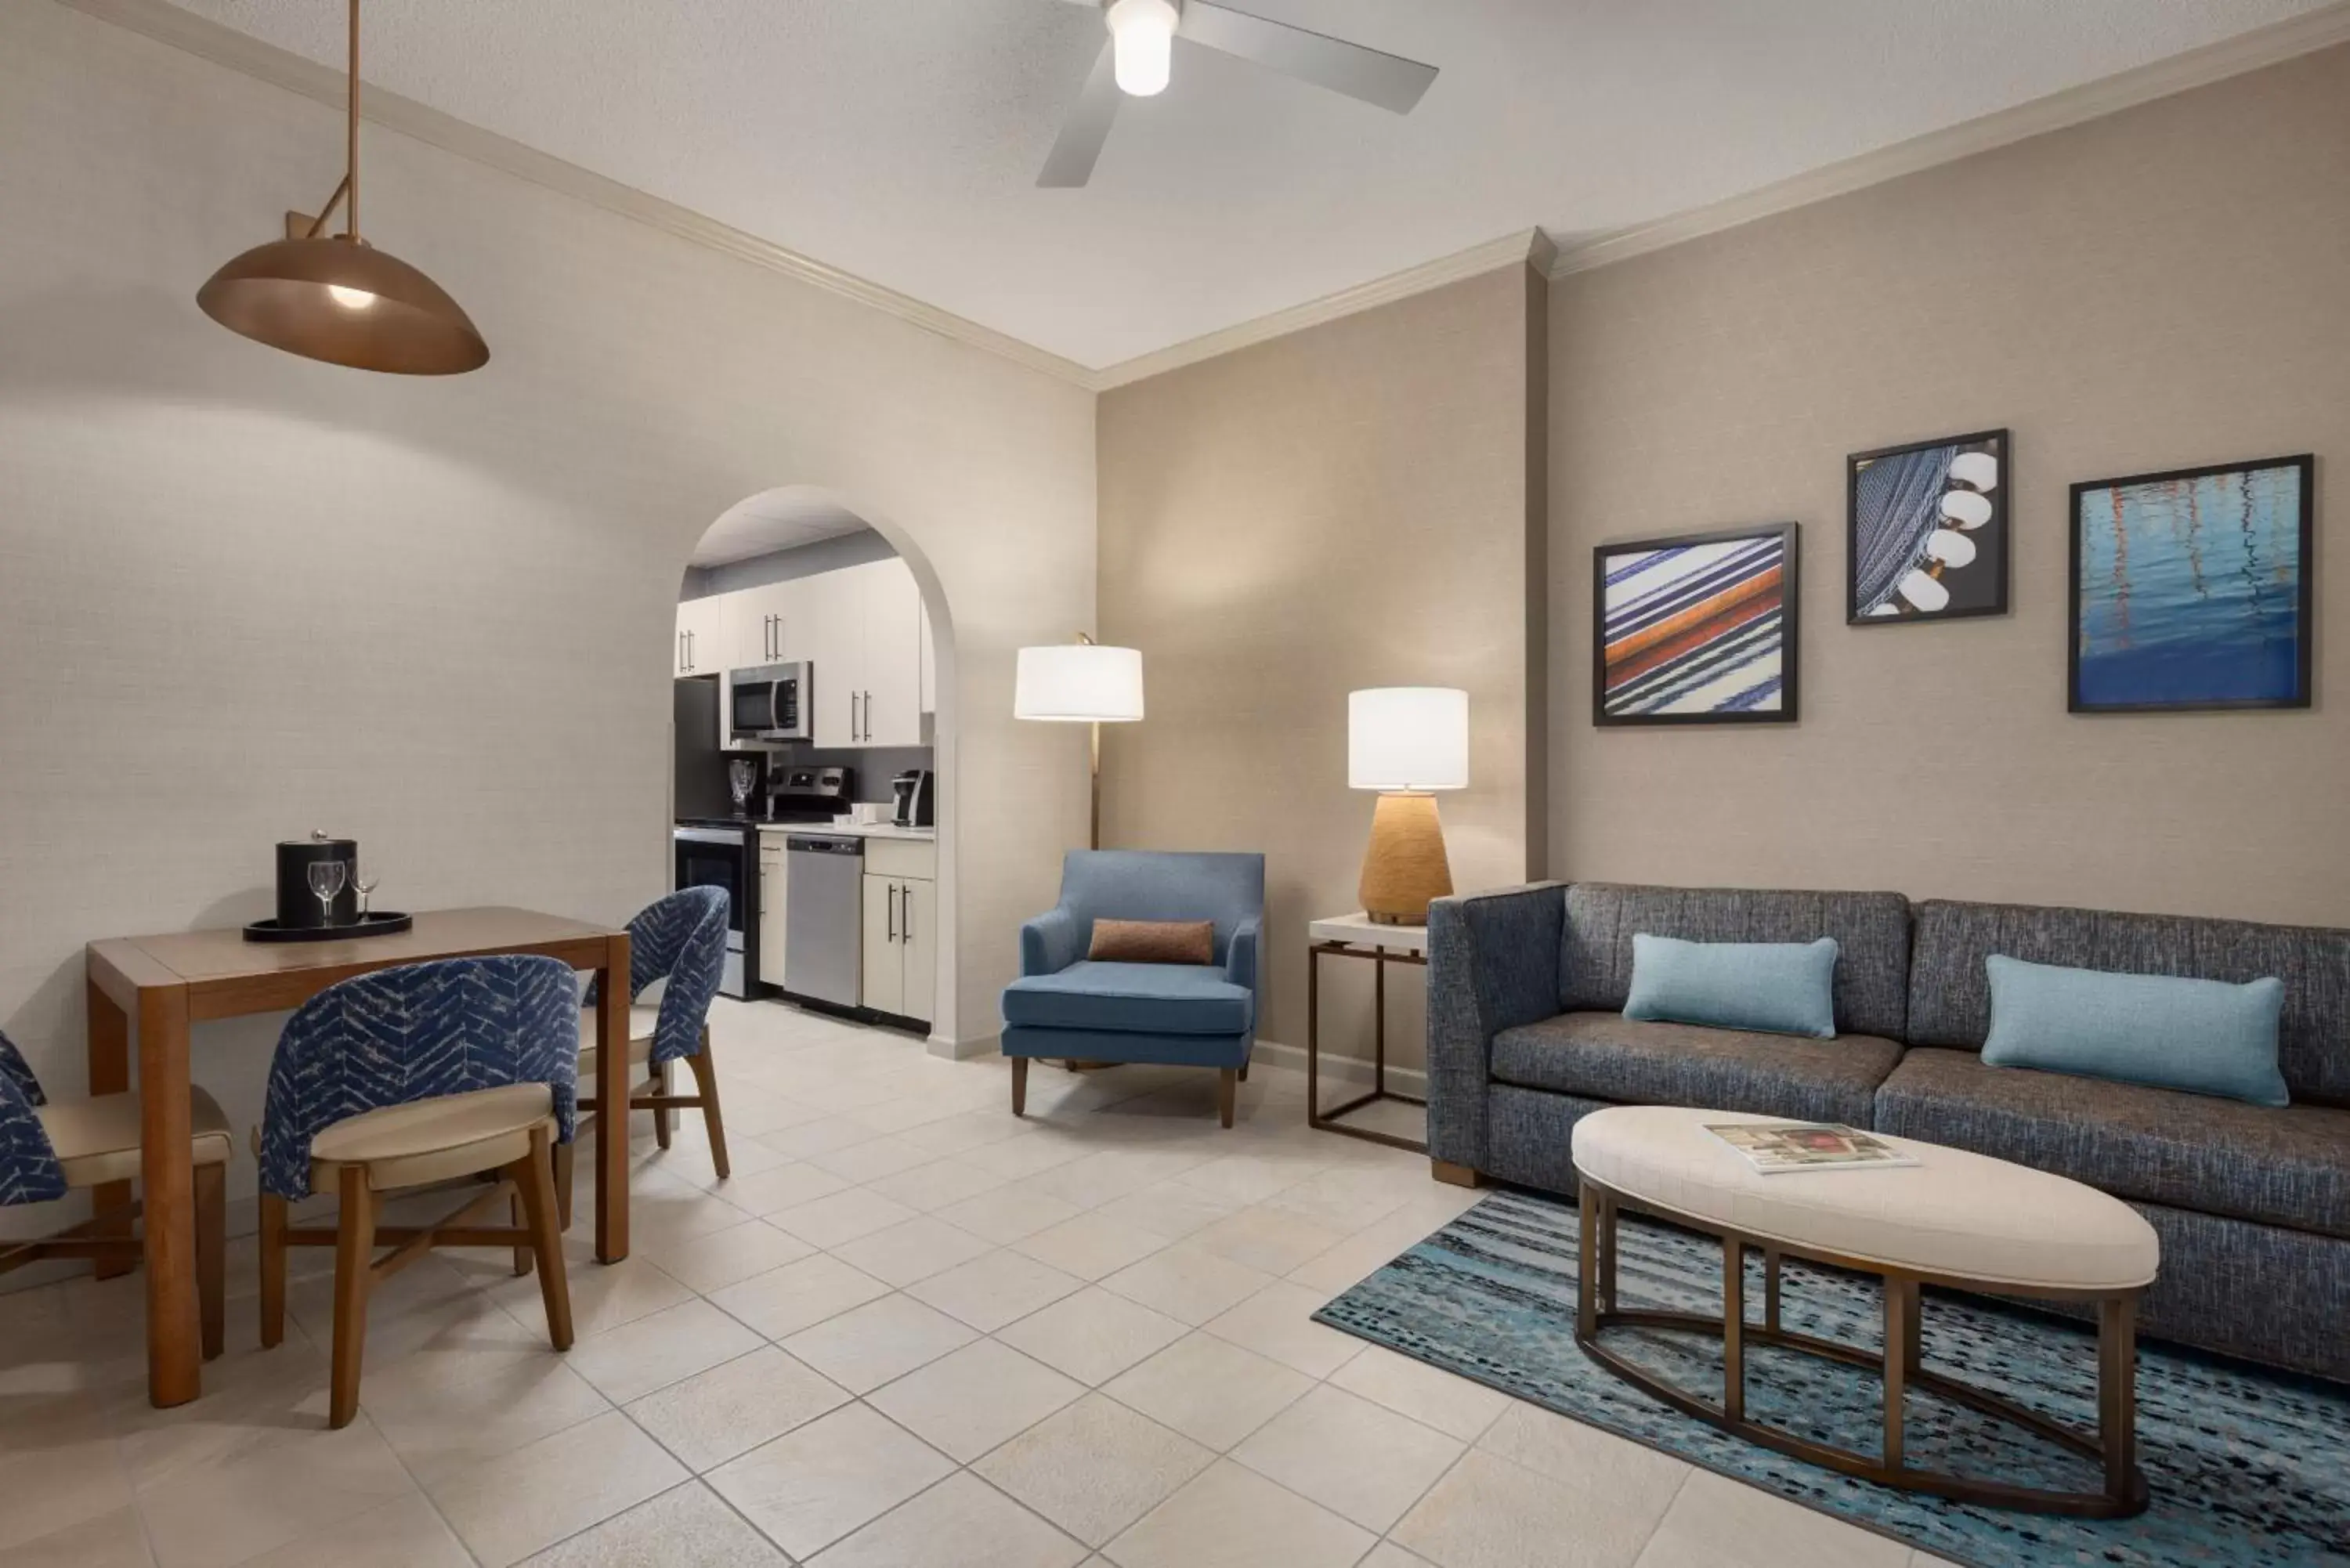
[{"x": 812, "y": 549}]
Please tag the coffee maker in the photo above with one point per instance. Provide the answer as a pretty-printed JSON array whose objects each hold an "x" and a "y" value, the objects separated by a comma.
[{"x": 915, "y": 791}]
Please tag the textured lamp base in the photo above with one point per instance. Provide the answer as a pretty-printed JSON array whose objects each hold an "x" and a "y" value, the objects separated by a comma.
[{"x": 1404, "y": 867}]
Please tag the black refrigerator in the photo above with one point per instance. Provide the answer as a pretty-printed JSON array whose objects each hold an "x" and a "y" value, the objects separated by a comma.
[{"x": 701, "y": 789}]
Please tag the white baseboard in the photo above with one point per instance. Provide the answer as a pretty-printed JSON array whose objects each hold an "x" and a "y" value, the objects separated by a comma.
[
  {"x": 950, "y": 1050},
  {"x": 1344, "y": 1069}
]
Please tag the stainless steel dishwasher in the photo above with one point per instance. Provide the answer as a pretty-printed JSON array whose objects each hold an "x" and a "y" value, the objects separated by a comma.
[{"x": 824, "y": 918}]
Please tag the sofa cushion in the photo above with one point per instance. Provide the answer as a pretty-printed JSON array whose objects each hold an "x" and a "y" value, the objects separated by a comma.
[
  {"x": 1607, "y": 1057},
  {"x": 1146, "y": 998},
  {"x": 1949, "y": 993},
  {"x": 1871, "y": 932},
  {"x": 2165, "y": 1030},
  {"x": 2287, "y": 1167}
]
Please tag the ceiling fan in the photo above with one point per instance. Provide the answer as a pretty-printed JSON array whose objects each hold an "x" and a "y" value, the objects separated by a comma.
[{"x": 1137, "y": 60}]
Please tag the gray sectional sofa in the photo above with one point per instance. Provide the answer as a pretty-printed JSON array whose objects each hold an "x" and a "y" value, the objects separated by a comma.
[{"x": 1525, "y": 1035}]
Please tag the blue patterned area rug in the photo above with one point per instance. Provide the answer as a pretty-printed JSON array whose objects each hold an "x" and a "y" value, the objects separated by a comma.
[{"x": 2246, "y": 1467}]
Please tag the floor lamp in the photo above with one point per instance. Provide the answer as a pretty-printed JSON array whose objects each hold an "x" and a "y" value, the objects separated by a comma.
[{"x": 1080, "y": 682}]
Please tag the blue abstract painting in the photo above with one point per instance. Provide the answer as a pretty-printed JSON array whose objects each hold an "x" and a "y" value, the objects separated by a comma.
[{"x": 2191, "y": 589}]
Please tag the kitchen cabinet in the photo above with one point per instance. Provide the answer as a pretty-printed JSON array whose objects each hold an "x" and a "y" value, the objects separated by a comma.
[
  {"x": 772, "y": 893},
  {"x": 755, "y": 624},
  {"x": 862, "y": 629},
  {"x": 701, "y": 648},
  {"x": 864, "y": 641},
  {"x": 900, "y": 954}
]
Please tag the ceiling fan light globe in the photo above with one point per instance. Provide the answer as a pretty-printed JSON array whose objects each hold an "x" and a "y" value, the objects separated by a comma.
[{"x": 1143, "y": 35}]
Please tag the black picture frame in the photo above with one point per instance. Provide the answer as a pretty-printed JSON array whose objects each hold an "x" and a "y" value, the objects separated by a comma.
[
  {"x": 1790, "y": 538},
  {"x": 1997, "y": 531},
  {"x": 2305, "y": 601}
]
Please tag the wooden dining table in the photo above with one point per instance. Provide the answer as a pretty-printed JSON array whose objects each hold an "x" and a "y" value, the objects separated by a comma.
[{"x": 165, "y": 984}]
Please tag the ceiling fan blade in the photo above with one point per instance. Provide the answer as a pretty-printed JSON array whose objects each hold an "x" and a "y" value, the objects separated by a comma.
[
  {"x": 1071, "y": 162},
  {"x": 1390, "y": 81}
]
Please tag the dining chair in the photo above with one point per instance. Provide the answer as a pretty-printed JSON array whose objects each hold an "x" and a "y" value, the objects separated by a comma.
[
  {"x": 47, "y": 1150},
  {"x": 680, "y": 938},
  {"x": 426, "y": 1074}
]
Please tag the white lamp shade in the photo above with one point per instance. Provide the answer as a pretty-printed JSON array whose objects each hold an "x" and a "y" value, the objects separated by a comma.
[
  {"x": 1078, "y": 682},
  {"x": 1407, "y": 738}
]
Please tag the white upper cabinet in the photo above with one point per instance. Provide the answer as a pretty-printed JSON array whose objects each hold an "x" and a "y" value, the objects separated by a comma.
[
  {"x": 701, "y": 648},
  {"x": 755, "y": 621},
  {"x": 862, "y": 630},
  {"x": 892, "y": 678}
]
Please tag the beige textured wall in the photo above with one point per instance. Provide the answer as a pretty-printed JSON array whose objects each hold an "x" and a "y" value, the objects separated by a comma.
[
  {"x": 2165, "y": 287},
  {"x": 1343, "y": 507},
  {"x": 243, "y": 594}
]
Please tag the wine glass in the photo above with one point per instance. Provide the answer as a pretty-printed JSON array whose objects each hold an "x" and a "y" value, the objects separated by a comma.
[
  {"x": 327, "y": 880},
  {"x": 365, "y": 882}
]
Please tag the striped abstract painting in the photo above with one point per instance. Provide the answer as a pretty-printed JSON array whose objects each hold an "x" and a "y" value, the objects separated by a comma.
[{"x": 1696, "y": 629}]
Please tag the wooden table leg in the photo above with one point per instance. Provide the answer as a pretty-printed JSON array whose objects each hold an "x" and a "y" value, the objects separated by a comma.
[
  {"x": 167, "y": 1172},
  {"x": 1900, "y": 1313},
  {"x": 109, "y": 1048},
  {"x": 1586, "y": 1273},
  {"x": 1378, "y": 1020},
  {"x": 612, "y": 1094},
  {"x": 1734, "y": 1328},
  {"x": 2117, "y": 1391}
]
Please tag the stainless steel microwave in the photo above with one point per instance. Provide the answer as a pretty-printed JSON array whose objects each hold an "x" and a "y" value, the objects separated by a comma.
[{"x": 770, "y": 702}]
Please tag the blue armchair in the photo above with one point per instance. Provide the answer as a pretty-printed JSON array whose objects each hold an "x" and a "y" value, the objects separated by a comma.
[{"x": 1203, "y": 1015}]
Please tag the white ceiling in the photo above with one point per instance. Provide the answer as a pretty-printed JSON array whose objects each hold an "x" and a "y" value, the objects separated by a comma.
[
  {"x": 900, "y": 139},
  {"x": 773, "y": 519}
]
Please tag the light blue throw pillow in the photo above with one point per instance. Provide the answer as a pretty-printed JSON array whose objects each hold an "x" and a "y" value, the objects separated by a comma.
[
  {"x": 1779, "y": 988},
  {"x": 2204, "y": 1036}
]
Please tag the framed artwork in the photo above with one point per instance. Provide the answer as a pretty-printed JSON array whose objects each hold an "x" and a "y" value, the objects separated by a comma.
[
  {"x": 2192, "y": 589},
  {"x": 1926, "y": 531},
  {"x": 1698, "y": 629}
]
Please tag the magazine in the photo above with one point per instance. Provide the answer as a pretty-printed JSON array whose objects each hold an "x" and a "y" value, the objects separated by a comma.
[{"x": 1774, "y": 1146}]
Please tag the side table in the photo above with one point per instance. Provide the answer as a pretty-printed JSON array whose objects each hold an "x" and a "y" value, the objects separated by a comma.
[{"x": 1358, "y": 936}]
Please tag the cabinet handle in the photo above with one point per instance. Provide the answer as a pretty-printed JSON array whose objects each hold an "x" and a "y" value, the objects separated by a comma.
[
  {"x": 891, "y": 893},
  {"x": 688, "y": 651},
  {"x": 907, "y": 934}
]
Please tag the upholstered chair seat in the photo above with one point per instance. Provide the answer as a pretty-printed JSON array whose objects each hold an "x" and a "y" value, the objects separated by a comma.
[
  {"x": 97, "y": 1140},
  {"x": 49, "y": 1150},
  {"x": 434, "y": 1140}
]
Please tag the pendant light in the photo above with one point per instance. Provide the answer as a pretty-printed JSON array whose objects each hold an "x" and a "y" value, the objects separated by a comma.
[{"x": 338, "y": 298}]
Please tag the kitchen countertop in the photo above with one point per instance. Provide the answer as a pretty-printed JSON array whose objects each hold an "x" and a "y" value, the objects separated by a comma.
[{"x": 853, "y": 830}]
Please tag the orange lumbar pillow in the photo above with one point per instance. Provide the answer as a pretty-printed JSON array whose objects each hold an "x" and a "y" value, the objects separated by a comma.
[{"x": 1154, "y": 941}]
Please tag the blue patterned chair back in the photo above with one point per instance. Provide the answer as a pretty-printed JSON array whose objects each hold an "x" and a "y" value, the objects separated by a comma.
[
  {"x": 417, "y": 1032},
  {"x": 682, "y": 939},
  {"x": 29, "y": 1164}
]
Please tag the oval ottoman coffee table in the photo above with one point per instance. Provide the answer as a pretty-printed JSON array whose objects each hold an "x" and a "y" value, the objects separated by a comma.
[{"x": 1954, "y": 1219}]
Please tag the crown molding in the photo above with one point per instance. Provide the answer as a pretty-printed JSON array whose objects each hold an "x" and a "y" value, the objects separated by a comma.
[
  {"x": 1527, "y": 246},
  {"x": 223, "y": 45},
  {"x": 2267, "y": 46}
]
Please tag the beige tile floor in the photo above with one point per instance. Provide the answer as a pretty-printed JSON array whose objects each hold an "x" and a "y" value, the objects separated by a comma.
[{"x": 911, "y": 1330}]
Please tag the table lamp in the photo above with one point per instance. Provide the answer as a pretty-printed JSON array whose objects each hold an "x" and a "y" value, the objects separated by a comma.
[
  {"x": 1080, "y": 682},
  {"x": 1406, "y": 742}
]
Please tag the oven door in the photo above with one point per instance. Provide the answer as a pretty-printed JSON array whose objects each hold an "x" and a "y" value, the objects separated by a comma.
[{"x": 719, "y": 857}]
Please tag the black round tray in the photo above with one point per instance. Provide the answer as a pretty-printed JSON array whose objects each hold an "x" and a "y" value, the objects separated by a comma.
[{"x": 378, "y": 923}]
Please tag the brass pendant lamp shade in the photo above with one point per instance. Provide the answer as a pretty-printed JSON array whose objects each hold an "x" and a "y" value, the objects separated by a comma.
[{"x": 338, "y": 298}]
